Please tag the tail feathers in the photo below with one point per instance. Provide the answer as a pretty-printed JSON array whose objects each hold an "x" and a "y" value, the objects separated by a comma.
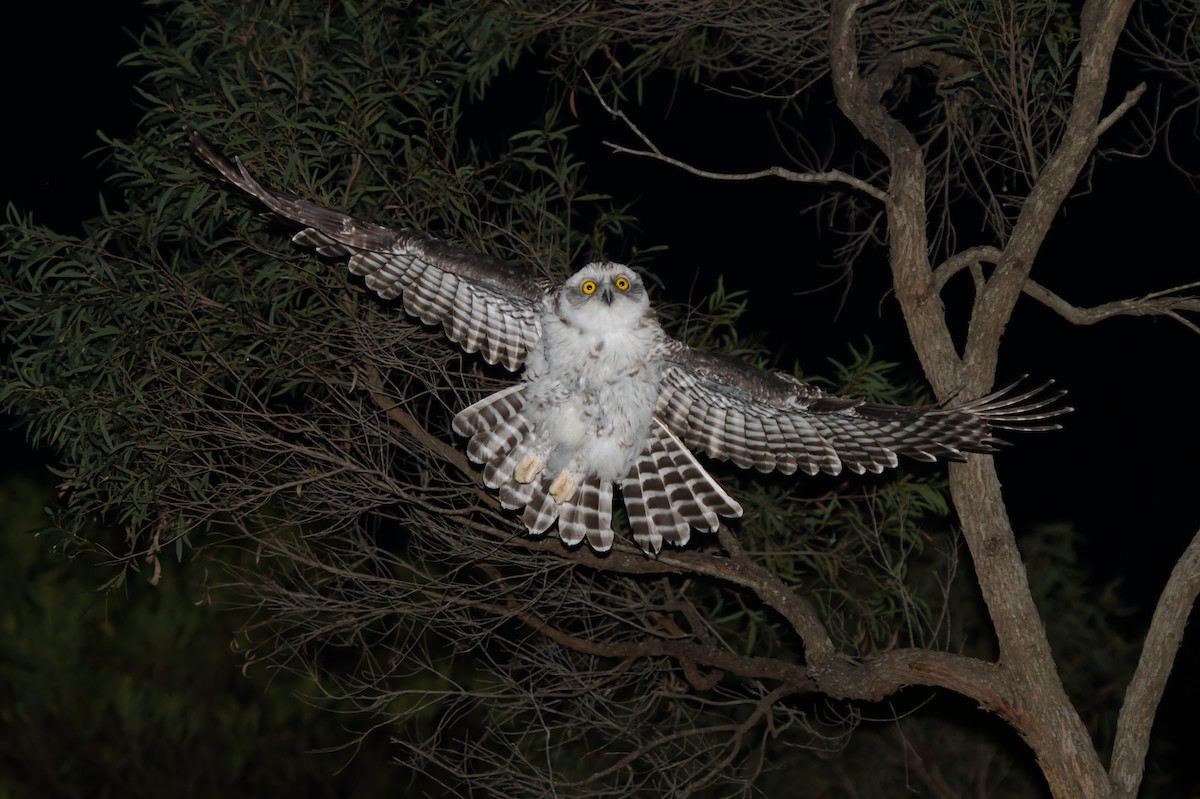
[
  {"x": 498, "y": 473},
  {"x": 515, "y": 495},
  {"x": 650, "y": 515},
  {"x": 501, "y": 462},
  {"x": 500, "y": 438},
  {"x": 541, "y": 510},
  {"x": 588, "y": 515},
  {"x": 668, "y": 492}
]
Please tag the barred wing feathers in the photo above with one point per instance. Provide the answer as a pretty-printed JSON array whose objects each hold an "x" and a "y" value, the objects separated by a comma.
[
  {"x": 730, "y": 410},
  {"x": 484, "y": 304}
]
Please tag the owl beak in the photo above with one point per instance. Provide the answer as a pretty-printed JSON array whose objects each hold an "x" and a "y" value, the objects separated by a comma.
[{"x": 607, "y": 295}]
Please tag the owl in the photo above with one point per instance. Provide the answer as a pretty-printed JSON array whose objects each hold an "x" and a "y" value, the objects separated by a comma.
[{"x": 609, "y": 401}]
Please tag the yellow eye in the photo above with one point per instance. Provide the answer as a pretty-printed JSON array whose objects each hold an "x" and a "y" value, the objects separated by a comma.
[
  {"x": 622, "y": 283},
  {"x": 588, "y": 287}
]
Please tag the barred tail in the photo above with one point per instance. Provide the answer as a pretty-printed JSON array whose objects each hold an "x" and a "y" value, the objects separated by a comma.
[
  {"x": 668, "y": 492},
  {"x": 501, "y": 438},
  {"x": 588, "y": 515}
]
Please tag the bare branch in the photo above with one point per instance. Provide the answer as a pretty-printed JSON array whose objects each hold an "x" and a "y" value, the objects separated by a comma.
[
  {"x": 1169, "y": 302},
  {"x": 834, "y": 673},
  {"x": 373, "y": 383},
  {"x": 962, "y": 260},
  {"x": 1131, "y": 98},
  {"x": 834, "y": 176},
  {"x": 860, "y": 98},
  {"x": 829, "y": 177},
  {"x": 688, "y": 653},
  {"x": 1150, "y": 679}
]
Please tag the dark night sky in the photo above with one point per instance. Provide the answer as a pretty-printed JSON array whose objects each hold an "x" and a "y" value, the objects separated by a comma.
[
  {"x": 1124, "y": 469},
  {"x": 60, "y": 92}
]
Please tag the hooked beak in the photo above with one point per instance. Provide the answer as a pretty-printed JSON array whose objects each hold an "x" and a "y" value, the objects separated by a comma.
[{"x": 607, "y": 295}]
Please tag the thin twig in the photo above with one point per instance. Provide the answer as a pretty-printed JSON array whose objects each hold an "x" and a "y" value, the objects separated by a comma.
[
  {"x": 1131, "y": 98},
  {"x": 834, "y": 176}
]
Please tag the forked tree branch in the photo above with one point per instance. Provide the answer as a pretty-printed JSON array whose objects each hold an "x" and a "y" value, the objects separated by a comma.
[
  {"x": 836, "y": 674},
  {"x": 1101, "y": 24},
  {"x": 1170, "y": 302},
  {"x": 860, "y": 98},
  {"x": 973, "y": 256},
  {"x": 1046, "y": 719}
]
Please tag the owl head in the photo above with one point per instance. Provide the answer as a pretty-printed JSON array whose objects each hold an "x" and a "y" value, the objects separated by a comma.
[{"x": 604, "y": 297}]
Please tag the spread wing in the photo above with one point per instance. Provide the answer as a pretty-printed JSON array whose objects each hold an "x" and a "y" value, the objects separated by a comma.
[
  {"x": 730, "y": 410},
  {"x": 484, "y": 304}
]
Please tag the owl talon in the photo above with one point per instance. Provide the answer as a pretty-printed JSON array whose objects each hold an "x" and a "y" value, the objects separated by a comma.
[
  {"x": 564, "y": 487},
  {"x": 529, "y": 468}
]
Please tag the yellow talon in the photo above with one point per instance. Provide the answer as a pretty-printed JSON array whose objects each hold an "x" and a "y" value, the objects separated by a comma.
[
  {"x": 529, "y": 468},
  {"x": 564, "y": 487}
]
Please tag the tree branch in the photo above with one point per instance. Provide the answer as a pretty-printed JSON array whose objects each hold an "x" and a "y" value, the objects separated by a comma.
[
  {"x": 837, "y": 675},
  {"x": 1101, "y": 24},
  {"x": 860, "y": 99},
  {"x": 962, "y": 260},
  {"x": 1154, "y": 666},
  {"x": 687, "y": 653},
  {"x": 835, "y": 176},
  {"x": 1167, "y": 302},
  {"x": 1131, "y": 98},
  {"x": 1044, "y": 716},
  {"x": 373, "y": 384}
]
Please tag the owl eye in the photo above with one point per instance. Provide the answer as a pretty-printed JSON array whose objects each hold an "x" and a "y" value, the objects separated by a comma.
[
  {"x": 588, "y": 287},
  {"x": 622, "y": 283}
]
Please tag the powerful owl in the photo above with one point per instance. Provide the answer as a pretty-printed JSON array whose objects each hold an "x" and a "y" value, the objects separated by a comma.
[{"x": 609, "y": 400}]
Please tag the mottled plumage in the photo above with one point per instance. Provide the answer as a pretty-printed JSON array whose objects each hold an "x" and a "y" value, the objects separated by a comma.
[{"x": 608, "y": 399}]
